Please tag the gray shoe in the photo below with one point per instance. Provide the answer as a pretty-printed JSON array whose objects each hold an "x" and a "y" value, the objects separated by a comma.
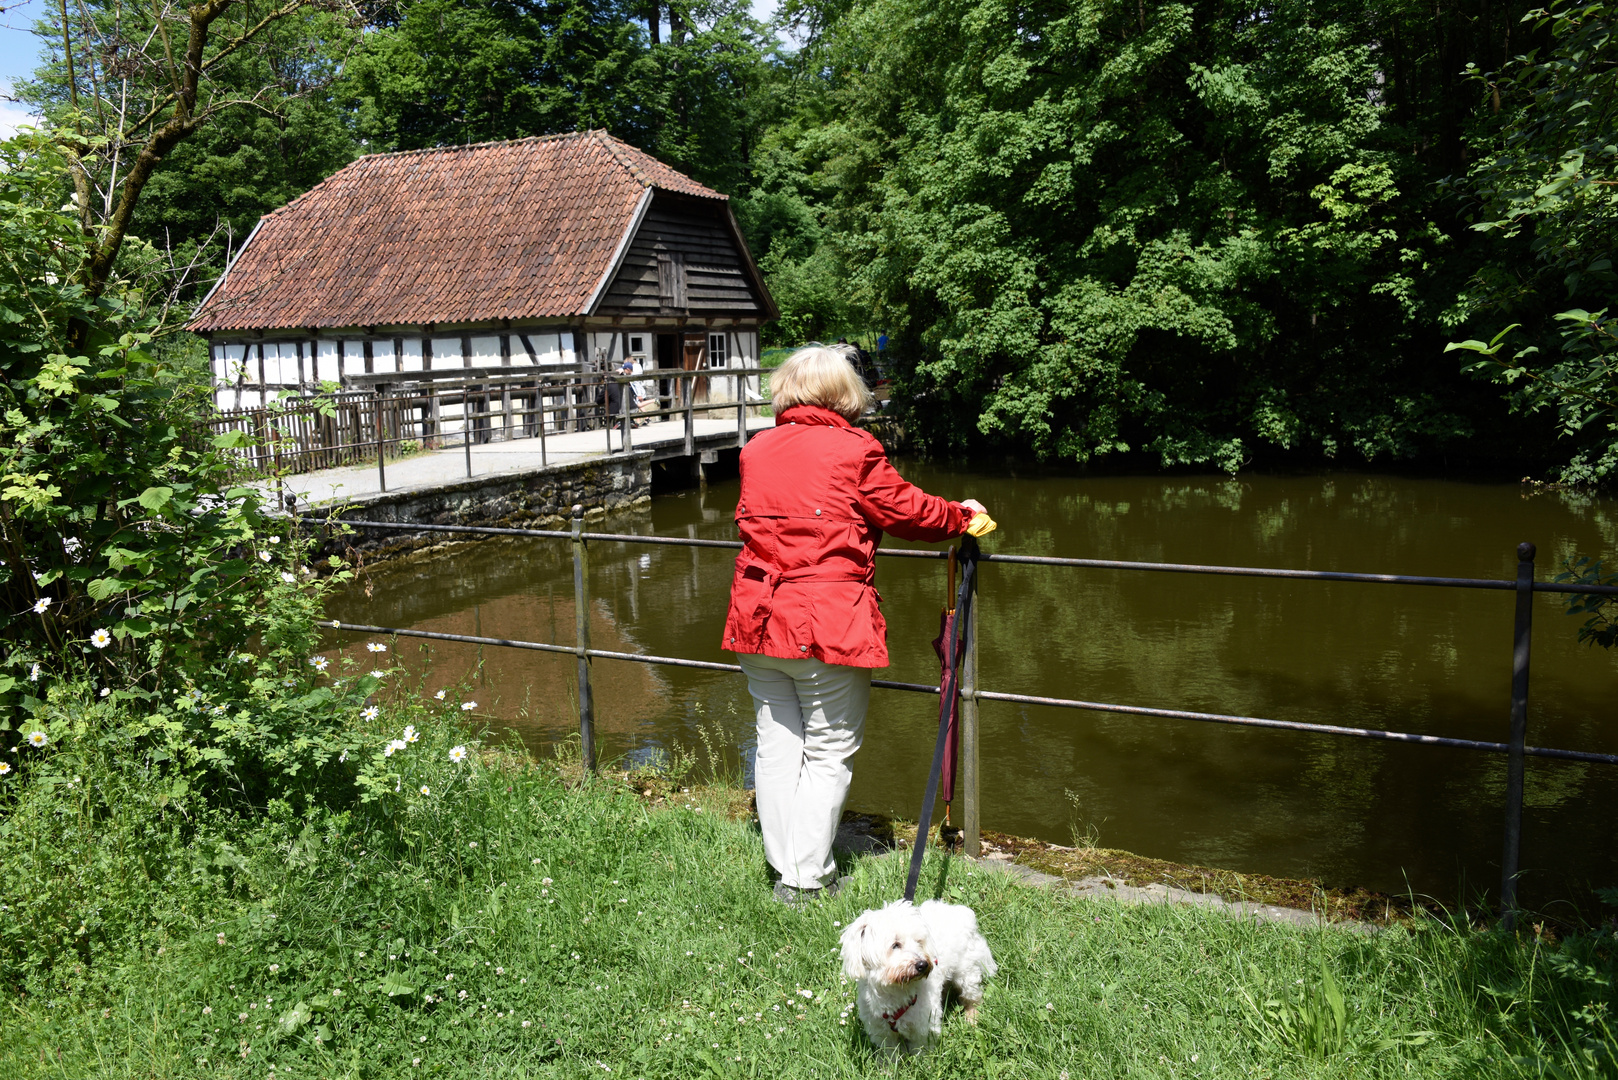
[
  {"x": 836, "y": 887},
  {"x": 794, "y": 897}
]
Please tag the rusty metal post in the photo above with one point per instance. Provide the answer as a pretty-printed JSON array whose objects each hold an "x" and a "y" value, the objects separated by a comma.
[
  {"x": 971, "y": 818},
  {"x": 741, "y": 411},
  {"x": 1522, "y": 640},
  {"x": 581, "y": 626},
  {"x": 381, "y": 470}
]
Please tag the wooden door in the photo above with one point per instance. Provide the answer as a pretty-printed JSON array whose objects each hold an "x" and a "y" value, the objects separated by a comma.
[{"x": 696, "y": 358}]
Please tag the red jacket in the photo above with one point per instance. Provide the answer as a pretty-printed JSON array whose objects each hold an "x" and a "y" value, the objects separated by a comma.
[{"x": 817, "y": 494}]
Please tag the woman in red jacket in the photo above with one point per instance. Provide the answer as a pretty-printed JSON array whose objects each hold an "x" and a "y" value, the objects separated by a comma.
[{"x": 817, "y": 495}]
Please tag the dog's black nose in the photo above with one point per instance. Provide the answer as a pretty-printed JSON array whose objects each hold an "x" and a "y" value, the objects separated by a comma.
[{"x": 923, "y": 968}]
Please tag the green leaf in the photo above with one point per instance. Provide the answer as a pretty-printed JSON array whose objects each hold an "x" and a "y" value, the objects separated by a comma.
[
  {"x": 155, "y": 498},
  {"x": 230, "y": 440},
  {"x": 395, "y": 986},
  {"x": 295, "y": 1017}
]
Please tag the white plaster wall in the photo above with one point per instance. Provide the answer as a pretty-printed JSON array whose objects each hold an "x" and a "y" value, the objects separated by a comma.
[{"x": 410, "y": 358}]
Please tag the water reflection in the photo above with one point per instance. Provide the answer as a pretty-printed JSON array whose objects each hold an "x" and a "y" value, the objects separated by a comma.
[{"x": 1416, "y": 659}]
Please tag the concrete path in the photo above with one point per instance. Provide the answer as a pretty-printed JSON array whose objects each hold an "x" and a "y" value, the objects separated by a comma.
[
  {"x": 853, "y": 837},
  {"x": 435, "y": 468}
]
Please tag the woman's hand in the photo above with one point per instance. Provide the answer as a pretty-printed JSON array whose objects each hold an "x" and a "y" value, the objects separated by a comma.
[{"x": 974, "y": 506}]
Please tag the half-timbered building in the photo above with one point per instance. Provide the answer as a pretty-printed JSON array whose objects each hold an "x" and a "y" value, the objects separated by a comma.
[{"x": 560, "y": 253}]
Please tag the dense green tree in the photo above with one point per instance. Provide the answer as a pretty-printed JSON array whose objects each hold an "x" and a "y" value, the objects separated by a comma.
[
  {"x": 1098, "y": 227},
  {"x": 1544, "y": 185},
  {"x": 447, "y": 71}
]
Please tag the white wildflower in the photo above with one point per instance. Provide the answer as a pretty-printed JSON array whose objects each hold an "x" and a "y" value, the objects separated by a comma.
[
  {"x": 319, "y": 663},
  {"x": 375, "y": 646},
  {"x": 5, "y": 767},
  {"x": 371, "y": 712},
  {"x": 440, "y": 695},
  {"x": 37, "y": 739},
  {"x": 42, "y": 605},
  {"x": 457, "y": 754},
  {"x": 264, "y": 556},
  {"x": 468, "y": 706},
  {"x": 101, "y": 639},
  {"x": 33, "y": 673},
  {"x": 396, "y": 744},
  {"x": 289, "y": 577},
  {"x": 425, "y": 790},
  {"x": 410, "y": 734}
]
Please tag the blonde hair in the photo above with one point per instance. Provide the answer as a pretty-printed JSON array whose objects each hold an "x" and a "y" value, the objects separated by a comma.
[{"x": 824, "y": 377}]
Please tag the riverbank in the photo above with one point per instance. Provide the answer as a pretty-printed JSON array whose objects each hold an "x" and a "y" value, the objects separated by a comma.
[{"x": 519, "y": 919}]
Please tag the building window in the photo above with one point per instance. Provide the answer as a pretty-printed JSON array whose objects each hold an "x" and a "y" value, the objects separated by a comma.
[
  {"x": 637, "y": 345},
  {"x": 716, "y": 351}
]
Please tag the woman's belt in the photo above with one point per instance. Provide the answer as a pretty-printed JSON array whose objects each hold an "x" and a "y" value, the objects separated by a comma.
[{"x": 774, "y": 578}]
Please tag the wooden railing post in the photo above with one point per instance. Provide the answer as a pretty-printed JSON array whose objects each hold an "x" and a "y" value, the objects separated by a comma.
[
  {"x": 581, "y": 627},
  {"x": 690, "y": 389},
  {"x": 1522, "y": 639}
]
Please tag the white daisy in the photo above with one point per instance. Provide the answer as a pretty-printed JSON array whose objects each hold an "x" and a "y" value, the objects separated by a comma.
[
  {"x": 371, "y": 712},
  {"x": 439, "y": 695},
  {"x": 37, "y": 739},
  {"x": 319, "y": 663},
  {"x": 379, "y": 674},
  {"x": 33, "y": 673},
  {"x": 264, "y": 556},
  {"x": 425, "y": 790},
  {"x": 376, "y": 646},
  {"x": 288, "y": 577},
  {"x": 5, "y": 767},
  {"x": 343, "y": 756},
  {"x": 410, "y": 734},
  {"x": 101, "y": 639},
  {"x": 396, "y": 744},
  {"x": 275, "y": 539},
  {"x": 457, "y": 753},
  {"x": 468, "y": 706},
  {"x": 40, "y": 605}
]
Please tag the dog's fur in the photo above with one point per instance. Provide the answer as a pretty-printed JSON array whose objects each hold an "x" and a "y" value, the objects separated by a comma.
[{"x": 904, "y": 958}]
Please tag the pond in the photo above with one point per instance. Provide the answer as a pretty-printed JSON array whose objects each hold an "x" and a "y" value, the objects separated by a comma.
[{"x": 1344, "y": 811}]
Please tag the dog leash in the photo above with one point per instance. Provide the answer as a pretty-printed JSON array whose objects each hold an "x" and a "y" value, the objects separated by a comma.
[{"x": 957, "y": 637}]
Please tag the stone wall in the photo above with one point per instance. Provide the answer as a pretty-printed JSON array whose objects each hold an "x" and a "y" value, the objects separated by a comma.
[{"x": 540, "y": 498}]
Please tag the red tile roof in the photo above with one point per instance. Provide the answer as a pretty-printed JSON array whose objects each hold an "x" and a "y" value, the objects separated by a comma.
[{"x": 508, "y": 230}]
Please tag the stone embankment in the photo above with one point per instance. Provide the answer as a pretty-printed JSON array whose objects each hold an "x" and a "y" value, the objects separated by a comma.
[{"x": 537, "y": 498}]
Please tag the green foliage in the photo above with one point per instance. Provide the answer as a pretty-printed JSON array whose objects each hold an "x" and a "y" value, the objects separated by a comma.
[
  {"x": 1547, "y": 177},
  {"x": 1096, "y": 229},
  {"x": 442, "y": 73},
  {"x": 128, "y": 555}
]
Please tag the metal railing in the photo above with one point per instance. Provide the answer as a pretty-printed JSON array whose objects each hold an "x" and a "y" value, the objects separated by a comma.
[
  {"x": 302, "y": 434},
  {"x": 1515, "y": 747}
]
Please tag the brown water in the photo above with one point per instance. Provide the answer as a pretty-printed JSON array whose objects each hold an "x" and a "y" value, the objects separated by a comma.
[{"x": 1342, "y": 810}]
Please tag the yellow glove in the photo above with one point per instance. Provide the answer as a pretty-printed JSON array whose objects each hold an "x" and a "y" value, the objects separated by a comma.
[{"x": 980, "y": 525}]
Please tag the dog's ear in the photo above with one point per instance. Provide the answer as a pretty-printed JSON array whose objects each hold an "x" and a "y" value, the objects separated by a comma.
[{"x": 854, "y": 946}]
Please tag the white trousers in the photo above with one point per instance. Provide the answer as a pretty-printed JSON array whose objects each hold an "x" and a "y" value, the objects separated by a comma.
[{"x": 811, "y": 718}]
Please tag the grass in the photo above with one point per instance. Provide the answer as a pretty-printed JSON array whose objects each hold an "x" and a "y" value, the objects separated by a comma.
[{"x": 526, "y": 921}]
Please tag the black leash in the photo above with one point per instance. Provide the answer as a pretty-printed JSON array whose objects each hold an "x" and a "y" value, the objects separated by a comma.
[{"x": 954, "y": 642}]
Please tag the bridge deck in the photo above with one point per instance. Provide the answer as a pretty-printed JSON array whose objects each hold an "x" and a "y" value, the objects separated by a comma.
[{"x": 434, "y": 468}]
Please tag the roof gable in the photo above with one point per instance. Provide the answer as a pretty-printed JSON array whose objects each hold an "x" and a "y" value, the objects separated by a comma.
[{"x": 510, "y": 230}]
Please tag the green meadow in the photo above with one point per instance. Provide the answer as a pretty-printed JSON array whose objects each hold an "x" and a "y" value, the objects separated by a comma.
[{"x": 502, "y": 918}]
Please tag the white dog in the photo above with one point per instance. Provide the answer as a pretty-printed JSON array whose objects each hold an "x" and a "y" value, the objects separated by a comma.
[{"x": 904, "y": 958}]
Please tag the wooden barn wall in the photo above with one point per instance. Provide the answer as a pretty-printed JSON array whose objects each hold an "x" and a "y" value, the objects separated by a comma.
[{"x": 693, "y": 237}]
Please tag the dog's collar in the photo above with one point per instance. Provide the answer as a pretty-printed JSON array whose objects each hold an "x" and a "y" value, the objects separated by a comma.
[{"x": 894, "y": 1017}]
